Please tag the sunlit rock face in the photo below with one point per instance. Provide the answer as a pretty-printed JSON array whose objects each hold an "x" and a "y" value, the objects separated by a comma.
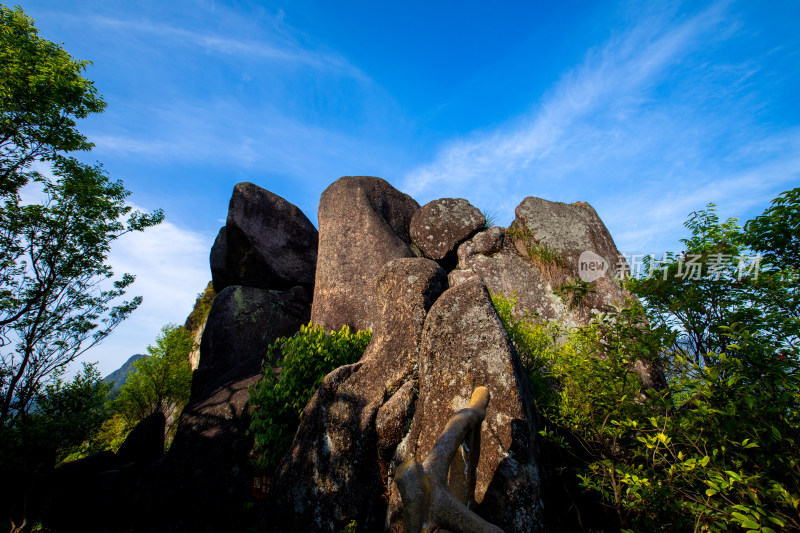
[
  {"x": 463, "y": 346},
  {"x": 438, "y": 227},
  {"x": 363, "y": 224},
  {"x": 336, "y": 469}
]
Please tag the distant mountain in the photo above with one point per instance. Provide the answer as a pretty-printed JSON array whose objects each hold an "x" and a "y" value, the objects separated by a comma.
[{"x": 117, "y": 378}]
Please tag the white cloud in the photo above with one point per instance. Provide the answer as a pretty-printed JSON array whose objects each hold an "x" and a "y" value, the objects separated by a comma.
[
  {"x": 277, "y": 45},
  {"x": 614, "y": 75},
  {"x": 171, "y": 267}
]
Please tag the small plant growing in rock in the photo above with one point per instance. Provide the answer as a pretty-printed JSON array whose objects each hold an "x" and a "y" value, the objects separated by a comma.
[
  {"x": 574, "y": 291},
  {"x": 278, "y": 401},
  {"x": 490, "y": 218},
  {"x": 542, "y": 254},
  {"x": 545, "y": 255},
  {"x": 518, "y": 232}
]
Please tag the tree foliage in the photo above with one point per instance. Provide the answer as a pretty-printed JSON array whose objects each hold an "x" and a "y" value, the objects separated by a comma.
[
  {"x": 57, "y": 294},
  {"x": 66, "y": 414},
  {"x": 42, "y": 93},
  {"x": 160, "y": 382},
  {"x": 202, "y": 306}
]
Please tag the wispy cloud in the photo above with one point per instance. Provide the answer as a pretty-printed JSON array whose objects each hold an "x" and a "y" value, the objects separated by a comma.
[
  {"x": 277, "y": 46},
  {"x": 630, "y": 129}
]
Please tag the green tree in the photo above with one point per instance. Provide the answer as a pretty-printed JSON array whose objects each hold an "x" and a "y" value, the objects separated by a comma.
[
  {"x": 42, "y": 93},
  {"x": 65, "y": 415},
  {"x": 57, "y": 294},
  {"x": 729, "y": 275},
  {"x": 160, "y": 382},
  {"x": 69, "y": 412}
]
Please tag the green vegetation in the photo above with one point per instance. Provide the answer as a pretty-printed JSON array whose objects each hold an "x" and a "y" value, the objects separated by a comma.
[
  {"x": 541, "y": 253},
  {"x": 58, "y": 295},
  {"x": 490, "y": 218},
  {"x": 278, "y": 401},
  {"x": 545, "y": 255},
  {"x": 52, "y": 253},
  {"x": 161, "y": 382},
  {"x": 67, "y": 413},
  {"x": 202, "y": 306},
  {"x": 718, "y": 450}
]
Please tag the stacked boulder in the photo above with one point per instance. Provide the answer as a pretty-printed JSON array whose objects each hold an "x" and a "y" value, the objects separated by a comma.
[
  {"x": 263, "y": 266},
  {"x": 436, "y": 336},
  {"x": 363, "y": 223},
  {"x": 420, "y": 278}
]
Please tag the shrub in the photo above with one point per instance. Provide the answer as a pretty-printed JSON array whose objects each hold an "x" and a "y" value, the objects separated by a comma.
[{"x": 278, "y": 401}]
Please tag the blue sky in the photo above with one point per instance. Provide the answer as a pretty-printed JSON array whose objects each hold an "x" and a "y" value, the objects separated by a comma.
[{"x": 647, "y": 111}]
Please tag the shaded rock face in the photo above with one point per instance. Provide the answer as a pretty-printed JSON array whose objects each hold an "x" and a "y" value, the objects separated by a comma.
[
  {"x": 438, "y": 227},
  {"x": 99, "y": 492},
  {"x": 267, "y": 243},
  {"x": 394, "y": 417},
  {"x": 463, "y": 346},
  {"x": 145, "y": 443},
  {"x": 335, "y": 470},
  {"x": 207, "y": 473},
  {"x": 363, "y": 224},
  {"x": 243, "y": 321},
  {"x": 268, "y": 247}
]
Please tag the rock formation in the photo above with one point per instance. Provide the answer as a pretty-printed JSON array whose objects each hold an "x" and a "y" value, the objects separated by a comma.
[
  {"x": 266, "y": 243},
  {"x": 242, "y": 322},
  {"x": 438, "y": 227},
  {"x": 363, "y": 224},
  {"x": 269, "y": 251},
  {"x": 420, "y": 278},
  {"x": 464, "y": 346},
  {"x": 539, "y": 253},
  {"x": 334, "y": 471}
]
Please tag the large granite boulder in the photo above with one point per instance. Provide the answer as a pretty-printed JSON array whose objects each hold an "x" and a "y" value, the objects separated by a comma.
[
  {"x": 438, "y": 227},
  {"x": 206, "y": 475},
  {"x": 492, "y": 255},
  {"x": 575, "y": 231},
  {"x": 243, "y": 321},
  {"x": 542, "y": 252},
  {"x": 363, "y": 224},
  {"x": 145, "y": 443},
  {"x": 335, "y": 470},
  {"x": 506, "y": 262},
  {"x": 267, "y": 242},
  {"x": 464, "y": 345}
]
